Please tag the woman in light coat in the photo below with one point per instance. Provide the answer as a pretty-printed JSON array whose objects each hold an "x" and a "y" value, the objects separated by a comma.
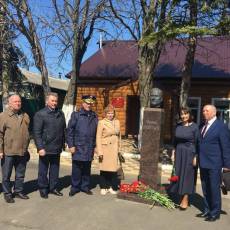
[{"x": 108, "y": 141}]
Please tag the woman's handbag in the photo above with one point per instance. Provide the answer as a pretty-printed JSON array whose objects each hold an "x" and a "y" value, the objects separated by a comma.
[
  {"x": 27, "y": 156},
  {"x": 120, "y": 173},
  {"x": 121, "y": 158}
]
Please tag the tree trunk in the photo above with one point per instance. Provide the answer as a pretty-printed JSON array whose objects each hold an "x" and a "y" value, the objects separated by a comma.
[
  {"x": 147, "y": 61},
  {"x": 41, "y": 65},
  {"x": 149, "y": 55},
  {"x": 5, "y": 77},
  {"x": 4, "y": 42},
  {"x": 189, "y": 59},
  {"x": 36, "y": 47},
  {"x": 24, "y": 22},
  {"x": 71, "y": 95},
  {"x": 187, "y": 72}
]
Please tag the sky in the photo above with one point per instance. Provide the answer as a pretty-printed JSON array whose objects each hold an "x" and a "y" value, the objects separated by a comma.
[
  {"x": 52, "y": 55},
  {"x": 51, "y": 52},
  {"x": 43, "y": 7}
]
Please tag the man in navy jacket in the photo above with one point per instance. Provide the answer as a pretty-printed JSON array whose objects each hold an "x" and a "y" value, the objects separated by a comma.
[
  {"x": 214, "y": 155},
  {"x": 81, "y": 139}
]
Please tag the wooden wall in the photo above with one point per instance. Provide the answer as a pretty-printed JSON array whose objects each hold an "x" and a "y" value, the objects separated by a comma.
[
  {"x": 99, "y": 92},
  {"x": 124, "y": 91},
  {"x": 205, "y": 90},
  {"x": 209, "y": 91}
]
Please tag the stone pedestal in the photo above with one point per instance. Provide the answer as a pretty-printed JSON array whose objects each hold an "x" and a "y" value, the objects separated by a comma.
[{"x": 150, "y": 168}]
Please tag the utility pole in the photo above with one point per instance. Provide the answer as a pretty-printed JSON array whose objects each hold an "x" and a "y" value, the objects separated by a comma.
[{"x": 4, "y": 55}]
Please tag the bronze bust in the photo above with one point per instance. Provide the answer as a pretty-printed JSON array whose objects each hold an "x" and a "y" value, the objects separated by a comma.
[{"x": 156, "y": 98}]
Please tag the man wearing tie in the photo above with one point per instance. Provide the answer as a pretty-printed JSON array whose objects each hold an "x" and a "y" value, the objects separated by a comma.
[{"x": 214, "y": 155}]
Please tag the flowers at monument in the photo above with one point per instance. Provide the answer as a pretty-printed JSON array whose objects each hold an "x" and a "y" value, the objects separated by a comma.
[
  {"x": 156, "y": 197},
  {"x": 134, "y": 187},
  {"x": 145, "y": 192}
]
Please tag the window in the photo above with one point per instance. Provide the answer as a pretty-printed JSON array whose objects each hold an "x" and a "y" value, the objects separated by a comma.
[
  {"x": 223, "y": 109},
  {"x": 194, "y": 105}
]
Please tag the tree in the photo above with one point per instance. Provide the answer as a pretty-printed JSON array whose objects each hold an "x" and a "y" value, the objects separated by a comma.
[
  {"x": 142, "y": 19},
  {"x": 10, "y": 56},
  {"x": 211, "y": 20},
  {"x": 75, "y": 22},
  {"x": 21, "y": 16},
  {"x": 194, "y": 19},
  {"x": 70, "y": 24},
  {"x": 147, "y": 22}
]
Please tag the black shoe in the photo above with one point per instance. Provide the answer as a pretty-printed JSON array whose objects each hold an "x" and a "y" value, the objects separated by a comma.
[
  {"x": 43, "y": 195},
  {"x": 21, "y": 196},
  {"x": 9, "y": 198},
  {"x": 203, "y": 214},
  {"x": 88, "y": 192},
  {"x": 72, "y": 193},
  {"x": 212, "y": 218},
  {"x": 56, "y": 193}
]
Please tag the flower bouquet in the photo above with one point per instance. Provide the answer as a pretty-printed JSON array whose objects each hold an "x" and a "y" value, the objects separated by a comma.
[
  {"x": 145, "y": 192},
  {"x": 174, "y": 177}
]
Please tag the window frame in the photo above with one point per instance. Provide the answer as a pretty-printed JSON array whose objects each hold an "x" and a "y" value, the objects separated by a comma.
[
  {"x": 198, "y": 109},
  {"x": 222, "y": 99}
]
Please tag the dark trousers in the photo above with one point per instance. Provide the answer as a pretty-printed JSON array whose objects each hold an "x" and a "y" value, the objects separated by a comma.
[
  {"x": 49, "y": 163},
  {"x": 108, "y": 179},
  {"x": 80, "y": 175},
  {"x": 19, "y": 163},
  {"x": 211, "y": 181}
]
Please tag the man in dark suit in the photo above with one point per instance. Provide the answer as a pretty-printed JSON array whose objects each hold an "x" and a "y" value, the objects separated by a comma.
[
  {"x": 214, "y": 155},
  {"x": 49, "y": 132}
]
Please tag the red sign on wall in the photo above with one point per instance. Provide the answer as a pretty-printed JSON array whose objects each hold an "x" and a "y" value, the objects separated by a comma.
[{"x": 118, "y": 102}]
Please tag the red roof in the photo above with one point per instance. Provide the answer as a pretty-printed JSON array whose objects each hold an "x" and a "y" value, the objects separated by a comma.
[{"x": 118, "y": 59}]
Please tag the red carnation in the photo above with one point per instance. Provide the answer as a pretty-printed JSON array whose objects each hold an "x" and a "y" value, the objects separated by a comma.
[{"x": 174, "y": 178}]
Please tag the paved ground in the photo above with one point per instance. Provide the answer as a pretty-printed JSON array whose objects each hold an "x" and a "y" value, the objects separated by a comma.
[
  {"x": 96, "y": 212},
  {"x": 131, "y": 166}
]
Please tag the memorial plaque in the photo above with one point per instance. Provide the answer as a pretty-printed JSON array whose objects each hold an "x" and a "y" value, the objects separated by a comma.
[{"x": 118, "y": 102}]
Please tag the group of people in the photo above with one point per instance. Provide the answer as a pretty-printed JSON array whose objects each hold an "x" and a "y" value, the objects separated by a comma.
[
  {"x": 208, "y": 148},
  {"x": 84, "y": 136}
]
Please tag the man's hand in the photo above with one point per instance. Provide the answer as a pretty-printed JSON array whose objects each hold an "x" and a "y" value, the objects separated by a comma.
[
  {"x": 226, "y": 169},
  {"x": 194, "y": 161},
  {"x": 1, "y": 155},
  {"x": 72, "y": 150},
  {"x": 42, "y": 152}
]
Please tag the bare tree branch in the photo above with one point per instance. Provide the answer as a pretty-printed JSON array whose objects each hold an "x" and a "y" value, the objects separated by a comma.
[
  {"x": 23, "y": 12},
  {"x": 122, "y": 21}
]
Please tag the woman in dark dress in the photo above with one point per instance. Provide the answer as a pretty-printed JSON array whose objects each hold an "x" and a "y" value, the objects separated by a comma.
[{"x": 186, "y": 149}]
